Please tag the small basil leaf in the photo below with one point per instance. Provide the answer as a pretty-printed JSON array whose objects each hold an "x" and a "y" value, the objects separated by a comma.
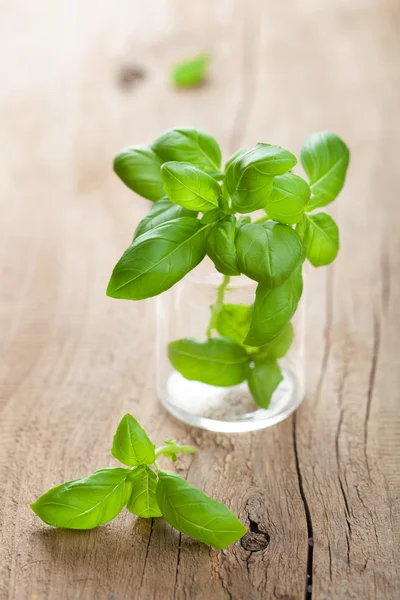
[
  {"x": 232, "y": 158},
  {"x": 320, "y": 236},
  {"x": 191, "y": 72},
  {"x": 263, "y": 378},
  {"x": 131, "y": 444},
  {"x": 279, "y": 346},
  {"x": 221, "y": 246},
  {"x": 216, "y": 361},
  {"x": 212, "y": 216},
  {"x": 162, "y": 211},
  {"x": 273, "y": 308},
  {"x": 288, "y": 197},
  {"x": 190, "y": 187},
  {"x": 195, "y": 514},
  {"x": 189, "y": 145},
  {"x": 143, "y": 498},
  {"x": 139, "y": 168},
  {"x": 325, "y": 158},
  {"x": 233, "y": 322},
  {"x": 268, "y": 252},
  {"x": 85, "y": 503},
  {"x": 159, "y": 258},
  {"x": 249, "y": 177}
]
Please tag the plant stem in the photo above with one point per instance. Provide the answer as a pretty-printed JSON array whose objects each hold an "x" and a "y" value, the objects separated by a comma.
[
  {"x": 216, "y": 309},
  {"x": 175, "y": 448},
  {"x": 262, "y": 219}
]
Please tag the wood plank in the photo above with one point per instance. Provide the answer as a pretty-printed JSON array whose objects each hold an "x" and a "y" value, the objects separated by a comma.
[{"x": 79, "y": 81}]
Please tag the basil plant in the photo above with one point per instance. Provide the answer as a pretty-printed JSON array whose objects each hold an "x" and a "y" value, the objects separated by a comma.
[{"x": 203, "y": 209}]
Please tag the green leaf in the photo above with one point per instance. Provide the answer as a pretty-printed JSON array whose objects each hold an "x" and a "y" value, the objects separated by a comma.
[
  {"x": 85, "y": 503},
  {"x": 268, "y": 252},
  {"x": 249, "y": 177},
  {"x": 233, "y": 322},
  {"x": 190, "y": 187},
  {"x": 264, "y": 378},
  {"x": 232, "y": 158},
  {"x": 216, "y": 361},
  {"x": 289, "y": 195},
  {"x": 273, "y": 308},
  {"x": 143, "y": 498},
  {"x": 159, "y": 258},
  {"x": 320, "y": 236},
  {"x": 131, "y": 444},
  {"x": 195, "y": 514},
  {"x": 139, "y": 168},
  {"x": 212, "y": 216},
  {"x": 191, "y": 72},
  {"x": 221, "y": 246},
  {"x": 279, "y": 346},
  {"x": 325, "y": 158},
  {"x": 189, "y": 145},
  {"x": 162, "y": 211}
]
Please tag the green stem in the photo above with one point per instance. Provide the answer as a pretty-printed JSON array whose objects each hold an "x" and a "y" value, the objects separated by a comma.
[
  {"x": 175, "y": 448},
  {"x": 216, "y": 309},
  {"x": 262, "y": 219}
]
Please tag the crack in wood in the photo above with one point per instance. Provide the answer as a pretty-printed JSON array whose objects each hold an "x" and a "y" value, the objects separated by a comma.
[
  {"x": 147, "y": 554},
  {"x": 371, "y": 383},
  {"x": 337, "y": 437},
  {"x": 310, "y": 533},
  {"x": 385, "y": 278}
]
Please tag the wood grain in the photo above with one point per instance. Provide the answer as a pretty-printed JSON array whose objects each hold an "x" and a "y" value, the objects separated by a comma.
[{"x": 319, "y": 492}]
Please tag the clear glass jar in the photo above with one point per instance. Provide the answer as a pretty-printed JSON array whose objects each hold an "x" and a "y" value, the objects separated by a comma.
[{"x": 184, "y": 311}]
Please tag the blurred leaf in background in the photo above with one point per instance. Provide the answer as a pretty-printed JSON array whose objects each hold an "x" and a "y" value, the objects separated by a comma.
[{"x": 191, "y": 72}]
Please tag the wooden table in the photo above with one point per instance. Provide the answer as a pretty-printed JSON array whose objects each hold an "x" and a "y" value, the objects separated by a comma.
[{"x": 320, "y": 491}]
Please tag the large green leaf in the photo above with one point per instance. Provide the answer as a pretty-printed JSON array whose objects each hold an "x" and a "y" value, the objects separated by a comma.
[
  {"x": 325, "y": 158},
  {"x": 143, "y": 498},
  {"x": 249, "y": 177},
  {"x": 131, "y": 444},
  {"x": 195, "y": 514},
  {"x": 279, "y": 346},
  {"x": 263, "y": 378},
  {"x": 289, "y": 195},
  {"x": 159, "y": 258},
  {"x": 221, "y": 246},
  {"x": 268, "y": 252},
  {"x": 216, "y": 361},
  {"x": 139, "y": 168},
  {"x": 273, "y": 308},
  {"x": 233, "y": 321},
  {"x": 189, "y": 145},
  {"x": 85, "y": 503},
  {"x": 162, "y": 211},
  {"x": 234, "y": 156},
  {"x": 190, "y": 187},
  {"x": 320, "y": 236}
]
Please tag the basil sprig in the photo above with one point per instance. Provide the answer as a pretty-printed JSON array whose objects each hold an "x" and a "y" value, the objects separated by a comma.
[
  {"x": 144, "y": 489},
  {"x": 203, "y": 209}
]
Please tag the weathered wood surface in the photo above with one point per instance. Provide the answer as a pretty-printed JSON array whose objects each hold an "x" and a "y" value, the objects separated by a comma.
[{"x": 78, "y": 81}]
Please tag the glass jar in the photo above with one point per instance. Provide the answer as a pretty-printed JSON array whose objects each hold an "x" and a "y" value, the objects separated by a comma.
[{"x": 184, "y": 312}]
